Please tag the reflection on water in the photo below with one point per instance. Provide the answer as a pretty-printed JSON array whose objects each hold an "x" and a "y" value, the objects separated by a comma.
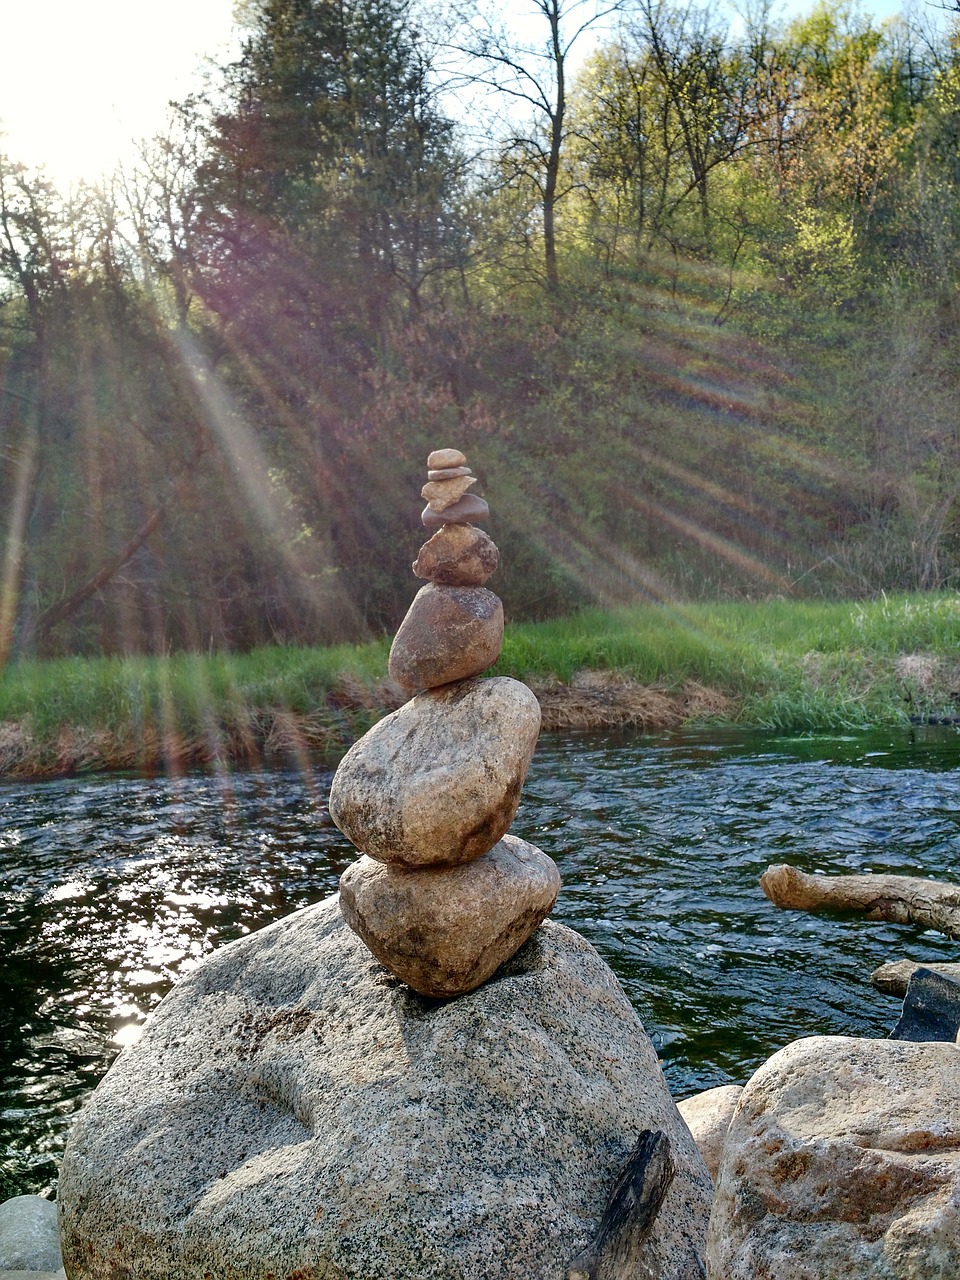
[{"x": 111, "y": 888}]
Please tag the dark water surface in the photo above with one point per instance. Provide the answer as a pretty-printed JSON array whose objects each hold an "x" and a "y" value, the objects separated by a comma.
[{"x": 112, "y": 887}]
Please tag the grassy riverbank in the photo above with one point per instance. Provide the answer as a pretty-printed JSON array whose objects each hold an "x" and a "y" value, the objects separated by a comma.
[{"x": 776, "y": 664}]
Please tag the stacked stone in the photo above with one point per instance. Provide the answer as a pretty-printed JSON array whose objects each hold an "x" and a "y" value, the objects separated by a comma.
[{"x": 442, "y": 895}]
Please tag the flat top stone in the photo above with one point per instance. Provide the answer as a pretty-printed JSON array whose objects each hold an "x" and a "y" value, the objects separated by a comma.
[{"x": 440, "y": 459}]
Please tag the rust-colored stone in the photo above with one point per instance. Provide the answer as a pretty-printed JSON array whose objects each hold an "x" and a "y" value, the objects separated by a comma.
[{"x": 458, "y": 555}]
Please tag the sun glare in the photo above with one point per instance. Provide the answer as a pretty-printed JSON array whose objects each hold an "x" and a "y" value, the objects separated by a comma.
[{"x": 82, "y": 82}]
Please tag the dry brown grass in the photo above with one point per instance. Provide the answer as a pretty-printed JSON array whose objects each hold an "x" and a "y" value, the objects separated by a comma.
[{"x": 610, "y": 700}]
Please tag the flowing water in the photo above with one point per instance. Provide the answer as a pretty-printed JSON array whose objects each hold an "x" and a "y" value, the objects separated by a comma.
[{"x": 111, "y": 887}]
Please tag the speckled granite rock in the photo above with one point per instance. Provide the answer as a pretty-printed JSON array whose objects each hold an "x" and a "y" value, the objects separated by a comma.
[
  {"x": 292, "y": 1111},
  {"x": 449, "y": 633},
  {"x": 707, "y": 1115},
  {"x": 438, "y": 782},
  {"x": 458, "y": 555},
  {"x": 445, "y": 930},
  {"x": 842, "y": 1161},
  {"x": 29, "y": 1236}
]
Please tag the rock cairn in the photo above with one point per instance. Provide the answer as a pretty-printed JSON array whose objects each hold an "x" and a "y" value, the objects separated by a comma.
[{"x": 442, "y": 895}]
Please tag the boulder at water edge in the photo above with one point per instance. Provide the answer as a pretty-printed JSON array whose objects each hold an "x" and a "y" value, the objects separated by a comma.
[
  {"x": 843, "y": 1160},
  {"x": 29, "y": 1238},
  {"x": 707, "y": 1115},
  {"x": 294, "y": 1111},
  {"x": 438, "y": 782}
]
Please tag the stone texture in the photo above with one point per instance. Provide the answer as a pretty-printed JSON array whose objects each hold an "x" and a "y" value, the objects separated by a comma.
[
  {"x": 707, "y": 1115},
  {"x": 441, "y": 459},
  {"x": 458, "y": 555},
  {"x": 445, "y": 930},
  {"x": 448, "y": 473},
  {"x": 291, "y": 1111},
  {"x": 449, "y": 633},
  {"x": 441, "y": 494},
  {"x": 468, "y": 509},
  {"x": 843, "y": 1160},
  {"x": 438, "y": 782},
  {"x": 29, "y": 1235}
]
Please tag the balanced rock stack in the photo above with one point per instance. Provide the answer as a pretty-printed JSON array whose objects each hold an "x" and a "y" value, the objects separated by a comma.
[{"x": 442, "y": 895}]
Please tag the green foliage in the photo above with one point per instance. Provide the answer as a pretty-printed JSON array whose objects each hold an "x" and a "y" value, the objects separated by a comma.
[
  {"x": 218, "y": 396},
  {"x": 786, "y": 665}
]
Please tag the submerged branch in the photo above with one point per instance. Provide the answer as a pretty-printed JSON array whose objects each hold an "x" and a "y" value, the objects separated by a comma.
[{"x": 931, "y": 904}]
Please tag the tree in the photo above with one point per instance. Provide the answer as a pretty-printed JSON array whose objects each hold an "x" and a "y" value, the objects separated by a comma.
[{"x": 531, "y": 77}]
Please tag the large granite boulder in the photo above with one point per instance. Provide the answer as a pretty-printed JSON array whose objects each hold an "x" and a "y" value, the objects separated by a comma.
[
  {"x": 438, "y": 782},
  {"x": 294, "y": 1111},
  {"x": 843, "y": 1160}
]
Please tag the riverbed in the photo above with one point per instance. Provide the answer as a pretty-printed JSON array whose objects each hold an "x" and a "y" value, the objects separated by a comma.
[{"x": 113, "y": 886}]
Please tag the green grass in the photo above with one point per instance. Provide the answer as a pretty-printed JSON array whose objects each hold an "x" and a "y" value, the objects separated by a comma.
[{"x": 787, "y": 665}]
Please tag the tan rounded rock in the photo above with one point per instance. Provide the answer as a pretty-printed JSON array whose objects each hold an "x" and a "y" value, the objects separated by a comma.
[
  {"x": 707, "y": 1115},
  {"x": 440, "y": 459},
  {"x": 467, "y": 509},
  {"x": 843, "y": 1160},
  {"x": 449, "y": 633},
  {"x": 440, "y": 494},
  {"x": 458, "y": 555},
  {"x": 438, "y": 782},
  {"x": 446, "y": 930}
]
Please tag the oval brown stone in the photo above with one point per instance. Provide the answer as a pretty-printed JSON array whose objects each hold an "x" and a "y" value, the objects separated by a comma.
[
  {"x": 449, "y": 633},
  {"x": 458, "y": 555},
  {"x": 448, "y": 473},
  {"x": 445, "y": 458},
  {"x": 438, "y": 782},
  {"x": 446, "y": 930},
  {"x": 465, "y": 511}
]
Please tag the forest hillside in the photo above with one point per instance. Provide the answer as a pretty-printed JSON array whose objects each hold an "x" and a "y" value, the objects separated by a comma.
[{"x": 690, "y": 303}]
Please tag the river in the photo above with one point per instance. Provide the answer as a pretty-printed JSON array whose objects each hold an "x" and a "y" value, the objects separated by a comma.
[{"x": 110, "y": 887}]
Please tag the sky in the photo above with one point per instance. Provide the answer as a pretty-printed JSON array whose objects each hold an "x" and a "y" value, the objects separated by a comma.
[{"x": 81, "y": 80}]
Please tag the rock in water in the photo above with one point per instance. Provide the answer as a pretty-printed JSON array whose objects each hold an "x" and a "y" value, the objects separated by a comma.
[
  {"x": 843, "y": 1161},
  {"x": 29, "y": 1238},
  {"x": 293, "y": 1112},
  {"x": 449, "y": 633},
  {"x": 446, "y": 930},
  {"x": 438, "y": 782}
]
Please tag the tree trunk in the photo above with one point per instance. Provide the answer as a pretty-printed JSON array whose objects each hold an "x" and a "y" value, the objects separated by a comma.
[{"x": 931, "y": 904}]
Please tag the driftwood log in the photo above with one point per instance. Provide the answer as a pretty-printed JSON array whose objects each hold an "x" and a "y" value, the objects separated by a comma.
[
  {"x": 931, "y": 904},
  {"x": 632, "y": 1208}
]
